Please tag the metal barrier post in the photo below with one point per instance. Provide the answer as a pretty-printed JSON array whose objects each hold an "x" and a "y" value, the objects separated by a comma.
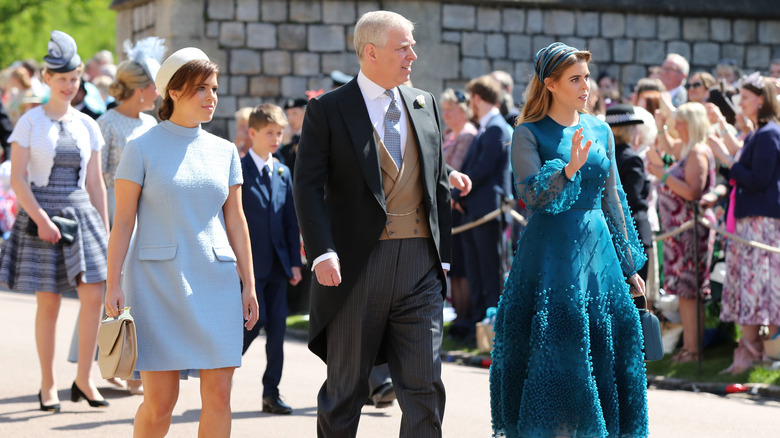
[{"x": 699, "y": 340}]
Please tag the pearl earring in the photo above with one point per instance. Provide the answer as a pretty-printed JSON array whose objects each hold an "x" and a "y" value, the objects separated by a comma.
[{"x": 142, "y": 99}]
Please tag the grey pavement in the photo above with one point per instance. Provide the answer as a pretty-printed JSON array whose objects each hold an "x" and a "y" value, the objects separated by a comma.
[{"x": 672, "y": 413}]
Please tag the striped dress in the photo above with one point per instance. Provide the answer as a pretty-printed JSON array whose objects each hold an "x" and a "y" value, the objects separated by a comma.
[{"x": 29, "y": 264}]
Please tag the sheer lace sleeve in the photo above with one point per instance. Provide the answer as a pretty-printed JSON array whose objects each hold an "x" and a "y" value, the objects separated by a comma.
[
  {"x": 543, "y": 187},
  {"x": 624, "y": 235}
]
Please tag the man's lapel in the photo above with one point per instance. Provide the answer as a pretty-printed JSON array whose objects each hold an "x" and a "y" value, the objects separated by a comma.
[
  {"x": 252, "y": 173},
  {"x": 277, "y": 186},
  {"x": 353, "y": 109},
  {"x": 423, "y": 127}
]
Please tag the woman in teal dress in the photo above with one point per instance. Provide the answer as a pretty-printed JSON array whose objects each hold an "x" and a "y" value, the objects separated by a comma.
[{"x": 568, "y": 358}]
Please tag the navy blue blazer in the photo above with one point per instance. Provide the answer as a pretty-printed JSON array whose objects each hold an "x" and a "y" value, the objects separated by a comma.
[
  {"x": 487, "y": 164},
  {"x": 273, "y": 227},
  {"x": 757, "y": 174}
]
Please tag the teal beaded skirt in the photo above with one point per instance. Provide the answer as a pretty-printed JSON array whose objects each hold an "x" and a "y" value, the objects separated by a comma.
[{"x": 567, "y": 359}]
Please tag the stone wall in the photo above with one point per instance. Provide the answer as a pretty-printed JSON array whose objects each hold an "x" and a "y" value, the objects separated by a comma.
[{"x": 272, "y": 49}]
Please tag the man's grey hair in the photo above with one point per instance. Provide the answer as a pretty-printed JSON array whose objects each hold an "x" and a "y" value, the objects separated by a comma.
[
  {"x": 680, "y": 62},
  {"x": 373, "y": 27},
  {"x": 103, "y": 57}
]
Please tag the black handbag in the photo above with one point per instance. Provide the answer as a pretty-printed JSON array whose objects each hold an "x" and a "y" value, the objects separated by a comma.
[
  {"x": 67, "y": 227},
  {"x": 651, "y": 331}
]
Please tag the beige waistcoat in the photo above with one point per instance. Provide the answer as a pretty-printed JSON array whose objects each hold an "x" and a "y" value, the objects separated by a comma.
[{"x": 406, "y": 215}]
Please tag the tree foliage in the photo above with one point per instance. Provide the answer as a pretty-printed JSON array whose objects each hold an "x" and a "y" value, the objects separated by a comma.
[{"x": 25, "y": 26}]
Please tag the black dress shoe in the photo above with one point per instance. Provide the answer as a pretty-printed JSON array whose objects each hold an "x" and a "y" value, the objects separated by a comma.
[
  {"x": 48, "y": 408},
  {"x": 275, "y": 405},
  {"x": 383, "y": 396},
  {"x": 76, "y": 394}
]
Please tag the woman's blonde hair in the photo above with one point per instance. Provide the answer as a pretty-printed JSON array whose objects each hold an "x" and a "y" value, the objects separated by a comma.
[
  {"x": 695, "y": 115},
  {"x": 50, "y": 72},
  {"x": 458, "y": 98},
  {"x": 130, "y": 76},
  {"x": 538, "y": 98},
  {"x": 23, "y": 76},
  {"x": 623, "y": 134}
]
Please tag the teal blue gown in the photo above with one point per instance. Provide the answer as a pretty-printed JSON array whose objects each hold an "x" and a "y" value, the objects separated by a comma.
[{"x": 567, "y": 359}]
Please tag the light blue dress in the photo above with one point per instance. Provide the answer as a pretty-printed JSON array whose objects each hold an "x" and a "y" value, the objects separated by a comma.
[
  {"x": 568, "y": 355},
  {"x": 180, "y": 273}
]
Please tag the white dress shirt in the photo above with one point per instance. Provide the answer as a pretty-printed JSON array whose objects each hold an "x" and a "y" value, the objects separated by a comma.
[
  {"x": 260, "y": 162},
  {"x": 377, "y": 103},
  {"x": 484, "y": 119}
]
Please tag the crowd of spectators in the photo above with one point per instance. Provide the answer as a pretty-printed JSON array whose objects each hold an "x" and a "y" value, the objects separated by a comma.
[{"x": 709, "y": 140}]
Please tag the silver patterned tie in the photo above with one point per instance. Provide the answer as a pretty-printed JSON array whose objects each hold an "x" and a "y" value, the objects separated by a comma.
[{"x": 392, "y": 131}]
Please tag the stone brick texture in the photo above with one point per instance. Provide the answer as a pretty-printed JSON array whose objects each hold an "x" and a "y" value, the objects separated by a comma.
[{"x": 274, "y": 49}]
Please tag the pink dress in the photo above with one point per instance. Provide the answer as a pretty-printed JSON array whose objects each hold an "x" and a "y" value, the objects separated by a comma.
[
  {"x": 680, "y": 272},
  {"x": 456, "y": 145}
]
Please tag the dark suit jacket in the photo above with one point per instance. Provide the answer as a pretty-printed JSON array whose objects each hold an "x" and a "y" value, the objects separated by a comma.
[
  {"x": 631, "y": 169},
  {"x": 339, "y": 195},
  {"x": 273, "y": 228},
  {"x": 487, "y": 164},
  {"x": 757, "y": 174},
  {"x": 286, "y": 154}
]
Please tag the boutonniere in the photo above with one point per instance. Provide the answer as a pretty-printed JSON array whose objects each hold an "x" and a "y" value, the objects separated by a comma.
[
  {"x": 280, "y": 171},
  {"x": 420, "y": 101}
]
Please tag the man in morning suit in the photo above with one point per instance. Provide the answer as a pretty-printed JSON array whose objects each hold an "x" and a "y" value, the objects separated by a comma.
[
  {"x": 373, "y": 203},
  {"x": 276, "y": 249},
  {"x": 487, "y": 163}
]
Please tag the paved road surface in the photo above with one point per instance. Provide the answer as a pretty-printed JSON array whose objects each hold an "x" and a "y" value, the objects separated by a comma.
[{"x": 672, "y": 414}]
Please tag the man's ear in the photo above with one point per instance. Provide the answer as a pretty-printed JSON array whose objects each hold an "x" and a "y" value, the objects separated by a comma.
[{"x": 369, "y": 52}]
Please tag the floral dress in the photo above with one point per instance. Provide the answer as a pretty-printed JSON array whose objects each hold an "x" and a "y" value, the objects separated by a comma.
[{"x": 681, "y": 273}]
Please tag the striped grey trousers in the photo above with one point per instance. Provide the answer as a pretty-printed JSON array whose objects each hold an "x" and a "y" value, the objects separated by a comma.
[{"x": 395, "y": 311}]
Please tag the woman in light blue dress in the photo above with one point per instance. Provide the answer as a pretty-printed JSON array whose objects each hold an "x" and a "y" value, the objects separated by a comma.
[
  {"x": 568, "y": 355},
  {"x": 179, "y": 273}
]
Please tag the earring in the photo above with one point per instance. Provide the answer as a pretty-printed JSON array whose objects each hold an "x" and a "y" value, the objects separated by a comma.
[{"x": 142, "y": 99}]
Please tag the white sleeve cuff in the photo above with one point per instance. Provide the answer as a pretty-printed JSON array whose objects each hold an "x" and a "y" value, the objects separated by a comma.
[
  {"x": 445, "y": 266},
  {"x": 322, "y": 258}
]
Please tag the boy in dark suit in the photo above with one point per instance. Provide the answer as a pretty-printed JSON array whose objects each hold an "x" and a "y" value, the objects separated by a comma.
[{"x": 274, "y": 234}]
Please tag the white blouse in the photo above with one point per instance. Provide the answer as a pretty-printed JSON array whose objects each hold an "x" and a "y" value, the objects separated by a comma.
[{"x": 35, "y": 130}]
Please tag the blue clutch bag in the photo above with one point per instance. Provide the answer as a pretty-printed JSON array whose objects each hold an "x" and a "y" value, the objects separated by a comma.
[{"x": 651, "y": 331}]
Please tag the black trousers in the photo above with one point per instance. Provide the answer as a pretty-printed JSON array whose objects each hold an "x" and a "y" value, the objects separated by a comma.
[
  {"x": 272, "y": 300},
  {"x": 482, "y": 253}
]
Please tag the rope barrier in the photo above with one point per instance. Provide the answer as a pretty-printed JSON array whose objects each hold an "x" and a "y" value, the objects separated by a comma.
[
  {"x": 674, "y": 232},
  {"x": 739, "y": 239},
  {"x": 507, "y": 208},
  {"x": 486, "y": 218},
  {"x": 518, "y": 217}
]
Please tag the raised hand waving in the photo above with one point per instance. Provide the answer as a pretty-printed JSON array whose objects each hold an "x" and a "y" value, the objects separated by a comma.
[{"x": 579, "y": 153}]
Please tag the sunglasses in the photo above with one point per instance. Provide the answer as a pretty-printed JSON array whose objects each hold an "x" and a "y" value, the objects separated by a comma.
[{"x": 694, "y": 85}]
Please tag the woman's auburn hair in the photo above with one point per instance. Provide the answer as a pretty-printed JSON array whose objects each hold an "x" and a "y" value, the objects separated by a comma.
[
  {"x": 187, "y": 79},
  {"x": 538, "y": 98},
  {"x": 770, "y": 109}
]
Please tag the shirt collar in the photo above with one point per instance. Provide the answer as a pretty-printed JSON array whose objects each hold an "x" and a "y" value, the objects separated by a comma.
[
  {"x": 371, "y": 89},
  {"x": 674, "y": 91},
  {"x": 484, "y": 120},
  {"x": 260, "y": 162}
]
